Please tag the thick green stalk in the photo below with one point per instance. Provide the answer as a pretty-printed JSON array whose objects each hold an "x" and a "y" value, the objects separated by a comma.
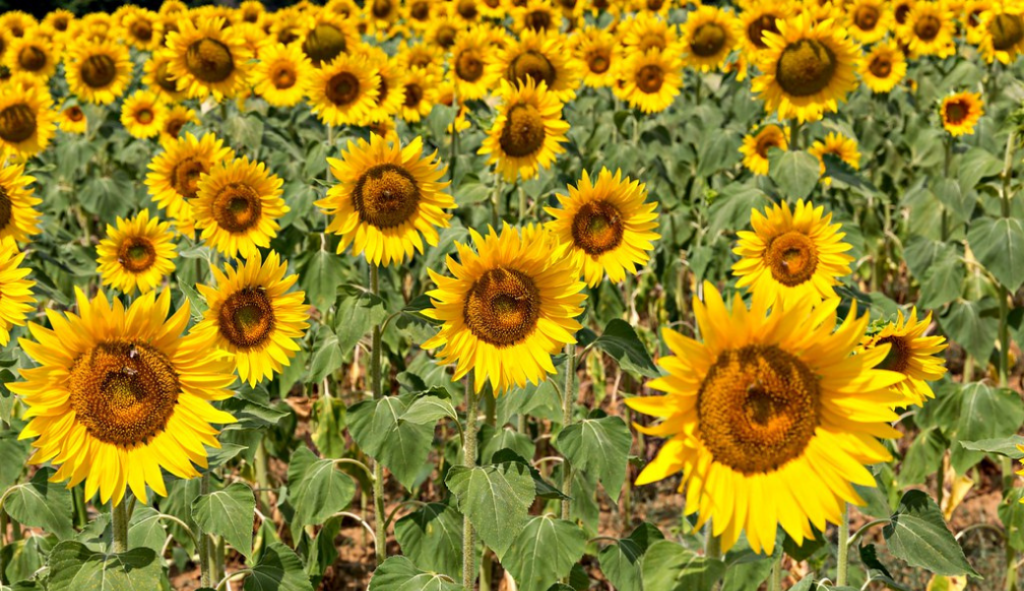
[
  {"x": 712, "y": 543},
  {"x": 378, "y": 393},
  {"x": 1004, "y": 352},
  {"x": 262, "y": 477},
  {"x": 3, "y": 536},
  {"x": 119, "y": 526},
  {"x": 844, "y": 547},
  {"x": 567, "y": 399},
  {"x": 775, "y": 582},
  {"x": 469, "y": 461},
  {"x": 205, "y": 569}
]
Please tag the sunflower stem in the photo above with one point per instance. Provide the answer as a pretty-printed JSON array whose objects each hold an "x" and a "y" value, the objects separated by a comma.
[
  {"x": 794, "y": 135},
  {"x": 844, "y": 547},
  {"x": 119, "y": 526},
  {"x": 496, "y": 196},
  {"x": 567, "y": 399},
  {"x": 205, "y": 571},
  {"x": 262, "y": 476},
  {"x": 3, "y": 537},
  {"x": 469, "y": 461},
  {"x": 775, "y": 583},
  {"x": 712, "y": 543},
  {"x": 380, "y": 543},
  {"x": 1007, "y": 174}
]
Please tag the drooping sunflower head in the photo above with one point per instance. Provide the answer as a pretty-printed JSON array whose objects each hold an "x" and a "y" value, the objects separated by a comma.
[
  {"x": 207, "y": 58},
  {"x": 119, "y": 394},
  {"x": 136, "y": 254},
  {"x": 26, "y": 119},
  {"x": 237, "y": 206},
  {"x": 508, "y": 307},
  {"x": 709, "y": 35},
  {"x": 32, "y": 54},
  {"x": 282, "y": 75},
  {"x": 539, "y": 57},
  {"x": 98, "y": 71},
  {"x": 174, "y": 175},
  {"x": 527, "y": 133},
  {"x": 649, "y": 81},
  {"x": 142, "y": 114},
  {"x": 929, "y": 30},
  {"x": 869, "y": 20},
  {"x": 792, "y": 254},
  {"x": 806, "y": 69},
  {"x": 883, "y": 67},
  {"x": 912, "y": 354},
  {"x": 254, "y": 315},
  {"x": 1001, "y": 32},
  {"x": 72, "y": 119},
  {"x": 345, "y": 91},
  {"x": 469, "y": 57},
  {"x": 839, "y": 146},
  {"x": 326, "y": 36},
  {"x": 388, "y": 199},
  {"x": 772, "y": 410},
  {"x": 17, "y": 300},
  {"x": 755, "y": 147},
  {"x": 606, "y": 225},
  {"x": 419, "y": 93},
  {"x": 960, "y": 112},
  {"x": 597, "y": 56}
]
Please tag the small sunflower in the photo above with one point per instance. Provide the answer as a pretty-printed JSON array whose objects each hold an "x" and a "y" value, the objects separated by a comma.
[
  {"x": 175, "y": 118},
  {"x": 31, "y": 54},
  {"x": 647, "y": 31},
  {"x": 344, "y": 92},
  {"x": 771, "y": 419},
  {"x": 469, "y": 58},
  {"x": 755, "y": 147},
  {"x": 17, "y": 23},
  {"x": 911, "y": 354},
  {"x": 17, "y": 300},
  {"x": 606, "y": 225},
  {"x": 98, "y": 71},
  {"x": 650, "y": 81},
  {"x": 26, "y": 120},
  {"x": 421, "y": 55},
  {"x": 385, "y": 199},
  {"x": 120, "y": 394},
  {"x": 709, "y": 35},
  {"x": 838, "y": 145},
  {"x": 72, "y": 119},
  {"x": 137, "y": 254},
  {"x": 537, "y": 15},
  {"x": 1002, "y": 32},
  {"x": 251, "y": 11},
  {"x": 173, "y": 179},
  {"x": 419, "y": 94},
  {"x": 390, "y": 94},
  {"x": 158, "y": 79},
  {"x": 760, "y": 18},
  {"x": 18, "y": 216},
  {"x": 142, "y": 114},
  {"x": 539, "y": 57},
  {"x": 443, "y": 32},
  {"x": 144, "y": 29},
  {"x": 597, "y": 56},
  {"x": 930, "y": 30},
  {"x": 792, "y": 255},
  {"x": 527, "y": 133},
  {"x": 283, "y": 74},
  {"x": 806, "y": 69},
  {"x": 253, "y": 316},
  {"x": 883, "y": 67},
  {"x": 869, "y": 20},
  {"x": 237, "y": 206},
  {"x": 207, "y": 59},
  {"x": 60, "y": 20},
  {"x": 960, "y": 112},
  {"x": 510, "y": 306},
  {"x": 327, "y": 36}
]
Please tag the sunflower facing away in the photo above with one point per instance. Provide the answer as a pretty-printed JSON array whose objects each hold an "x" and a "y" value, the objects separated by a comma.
[
  {"x": 508, "y": 308},
  {"x": 792, "y": 254},
  {"x": 771, "y": 419},
  {"x": 385, "y": 198},
  {"x": 911, "y": 354},
  {"x": 98, "y": 71},
  {"x": 120, "y": 394},
  {"x": 527, "y": 133},
  {"x": 173, "y": 179},
  {"x": 142, "y": 114},
  {"x": 755, "y": 147},
  {"x": 806, "y": 69},
  {"x": 709, "y": 35},
  {"x": 72, "y": 119},
  {"x": 960, "y": 112},
  {"x": 26, "y": 120},
  {"x": 606, "y": 226},
  {"x": 650, "y": 81},
  {"x": 344, "y": 92},
  {"x": 883, "y": 67},
  {"x": 207, "y": 58},
  {"x": 138, "y": 253},
  {"x": 17, "y": 300},
  {"x": 253, "y": 316},
  {"x": 282, "y": 75},
  {"x": 237, "y": 206},
  {"x": 838, "y": 145},
  {"x": 18, "y": 216}
]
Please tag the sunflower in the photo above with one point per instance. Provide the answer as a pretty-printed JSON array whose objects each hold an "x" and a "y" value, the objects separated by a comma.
[
  {"x": 528, "y": 131},
  {"x": 98, "y": 71},
  {"x": 960, "y": 112},
  {"x": 792, "y": 254},
  {"x": 385, "y": 198},
  {"x": 760, "y": 18},
  {"x": 883, "y": 67},
  {"x": 33, "y": 55},
  {"x": 443, "y": 31},
  {"x": 709, "y": 35},
  {"x": 597, "y": 56},
  {"x": 911, "y": 354},
  {"x": 537, "y": 15},
  {"x": 807, "y": 68},
  {"x": 282, "y": 75},
  {"x": 17, "y": 300},
  {"x": 771, "y": 418},
  {"x": 157, "y": 77},
  {"x": 326, "y": 37},
  {"x": 755, "y": 147},
  {"x": 345, "y": 91},
  {"x": 142, "y": 114},
  {"x": 287, "y": 26},
  {"x": 446, "y": 97},
  {"x": 901, "y": 14},
  {"x": 382, "y": 13},
  {"x": 510, "y": 306},
  {"x": 868, "y": 20},
  {"x": 421, "y": 55},
  {"x": 207, "y": 59},
  {"x": 72, "y": 119},
  {"x": 18, "y": 216},
  {"x": 26, "y": 120},
  {"x": 648, "y": 31},
  {"x": 390, "y": 93},
  {"x": 237, "y": 206},
  {"x": 929, "y": 30},
  {"x": 651, "y": 81},
  {"x": 539, "y": 57},
  {"x": 838, "y": 145},
  {"x": 493, "y": 9},
  {"x": 1002, "y": 32},
  {"x": 120, "y": 394},
  {"x": 469, "y": 58},
  {"x": 606, "y": 226},
  {"x": 419, "y": 94},
  {"x": 174, "y": 175},
  {"x": 418, "y": 13},
  {"x": 175, "y": 118},
  {"x": 144, "y": 29},
  {"x": 138, "y": 253},
  {"x": 253, "y": 316},
  {"x": 60, "y": 20},
  {"x": 17, "y": 22}
]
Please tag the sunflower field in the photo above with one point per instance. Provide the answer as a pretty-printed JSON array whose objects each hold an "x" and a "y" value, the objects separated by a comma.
[{"x": 513, "y": 295}]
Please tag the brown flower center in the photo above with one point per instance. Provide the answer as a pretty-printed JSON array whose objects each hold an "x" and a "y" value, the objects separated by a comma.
[
  {"x": 324, "y": 43},
  {"x": 467, "y": 9},
  {"x": 503, "y": 307},
  {"x": 163, "y": 79},
  {"x": 32, "y": 59},
  {"x": 523, "y": 133},
  {"x": 599, "y": 60},
  {"x": 957, "y": 111},
  {"x": 806, "y": 67},
  {"x": 6, "y": 208},
  {"x": 237, "y": 208},
  {"x": 413, "y": 95},
  {"x": 386, "y": 196},
  {"x": 342, "y": 88},
  {"x": 136, "y": 254},
  {"x": 144, "y": 116},
  {"x": 651, "y": 40},
  {"x": 597, "y": 227},
  {"x": 1007, "y": 30},
  {"x": 209, "y": 60},
  {"x": 174, "y": 125},
  {"x": 381, "y": 8},
  {"x": 792, "y": 258},
  {"x": 420, "y": 11},
  {"x": 759, "y": 26},
  {"x": 902, "y": 12},
  {"x": 246, "y": 319},
  {"x": 446, "y": 35},
  {"x": 74, "y": 113},
  {"x": 927, "y": 27},
  {"x": 283, "y": 77},
  {"x": 538, "y": 20},
  {"x": 650, "y": 78},
  {"x": 185, "y": 176},
  {"x": 768, "y": 140},
  {"x": 469, "y": 66},
  {"x": 708, "y": 40},
  {"x": 900, "y": 352},
  {"x": 17, "y": 123},
  {"x": 866, "y": 17},
  {"x": 142, "y": 30},
  {"x": 881, "y": 66},
  {"x": 98, "y": 71},
  {"x": 531, "y": 64}
]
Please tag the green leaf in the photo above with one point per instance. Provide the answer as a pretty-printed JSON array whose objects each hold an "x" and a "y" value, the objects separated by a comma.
[
  {"x": 917, "y": 534},
  {"x": 398, "y": 573},
  {"x": 747, "y": 575},
  {"x": 731, "y": 209},
  {"x": 600, "y": 446},
  {"x": 278, "y": 569},
  {"x": 316, "y": 490},
  {"x": 326, "y": 355},
  {"x": 506, "y": 438},
  {"x": 1011, "y": 513},
  {"x": 977, "y": 164},
  {"x": 228, "y": 513},
  {"x": 358, "y": 311},
  {"x": 973, "y": 324},
  {"x": 321, "y": 275},
  {"x": 41, "y": 503},
  {"x": 985, "y": 413},
  {"x": 718, "y": 151},
  {"x": 999, "y": 245},
  {"x": 428, "y": 410},
  {"x": 667, "y": 566},
  {"x": 146, "y": 529},
  {"x": 621, "y": 561},
  {"x": 876, "y": 570},
  {"x": 796, "y": 173},
  {"x": 381, "y": 431},
  {"x": 620, "y": 341},
  {"x": 432, "y": 537},
  {"x": 1002, "y": 446},
  {"x": 922, "y": 457},
  {"x": 496, "y": 500},
  {"x": 327, "y": 426},
  {"x": 74, "y": 567},
  {"x": 544, "y": 552},
  {"x": 13, "y": 456}
]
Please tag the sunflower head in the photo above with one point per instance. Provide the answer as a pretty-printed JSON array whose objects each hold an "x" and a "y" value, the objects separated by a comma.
[
  {"x": 528, "y": 132},
  {"x": 17, "y": 301},
  {"x": 838, "y": 145},
  {"x": 142, "y": 114},
  {"x": 883, "y": 67},
  {"x": 174, "y": 175},
  {"x": 537, "y": 56},
  {"x": 282, "y": 75},
  {"x": 911, "y": 354},
  {"x": 98, "y": 71},
  {"x": 960, "y": 112},
  {"x": 26, "y": 119},
  {"x": 345, "y": 91},
  {"x": 709, "y": 35},
  {"x": 207, "y": 58},
  {"x": 650, "y": 81},
  {"x": 136, "y": 254},
  {"x": 755, "y": 148}
]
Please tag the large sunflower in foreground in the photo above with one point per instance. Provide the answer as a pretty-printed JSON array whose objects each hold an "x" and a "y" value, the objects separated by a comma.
[
  {"x": 911, "y": 354},
  {"x": 527, "y": 133},
  {"x": 18, "y": 216},
  {"x": 282, "y": 75},
  {"x": 540, "y": 57},
  {"x": 98, "y": 71},
  {"x": 709, "y": 35},
  {"x": 510, "y": 306},
  {"x": 771, "y": 419},
  {"x": 120, "y": 394},
  {"x": 17, "y": 300},
  {"x": 755, "y": 147},
  {"x": 138, "y": 253},
  {"x": 173, "y": 179},
  {"x": 807, "y": 68},
  {"x": 960, "y": 112},
  {"x": 345, "y": 91},
  {"x": 385, "y": 198},
  {"x": 253, "y": 316},
  {"x": 26, "y": 120},
  {"x": 237, "y": 206},
  {"x": 792, "y": 255},
  {"x": 207, "y": 58},
  {"x": 649, "y": 81},
  {"x": 606, "y": 226},
  {"x": 883, "y": 67}
]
